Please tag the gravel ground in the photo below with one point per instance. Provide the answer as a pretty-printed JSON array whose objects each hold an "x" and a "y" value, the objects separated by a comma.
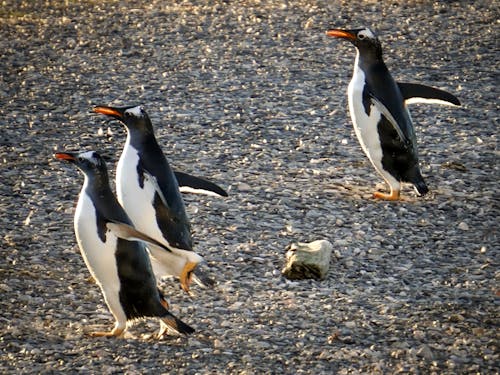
[{"x": 253, "y": 96}]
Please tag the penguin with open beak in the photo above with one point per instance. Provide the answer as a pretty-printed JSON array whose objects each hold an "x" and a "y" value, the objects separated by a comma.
[
  {"x": 114, "y": 251},
  {"x": 382, "y": 122}
]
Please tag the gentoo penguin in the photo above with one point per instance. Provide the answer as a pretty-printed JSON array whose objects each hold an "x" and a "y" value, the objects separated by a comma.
[
  {"x": 382, "y": 122},
  {"x": 148, "y": 191},
  {"x": 121, "y": 267}
]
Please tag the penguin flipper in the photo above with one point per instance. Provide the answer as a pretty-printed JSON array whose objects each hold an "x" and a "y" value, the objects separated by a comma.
[
  {"x": 157, "y": 187},
  {"x": 385, "y": 111},
  {"x": 129, "y": 233},
  {"x": 417, "y": 93},
  {"x": 197, "y": 185}
]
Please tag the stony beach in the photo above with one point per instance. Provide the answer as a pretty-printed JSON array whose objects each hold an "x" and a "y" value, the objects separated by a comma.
[{"x": 252, "y": 95}]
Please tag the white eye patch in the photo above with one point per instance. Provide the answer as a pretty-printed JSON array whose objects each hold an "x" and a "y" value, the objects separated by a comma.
[
  {"x": 366, "y": 34},
  {"x": 135, "y": 111},
  {"x": 91, "y": 156}
]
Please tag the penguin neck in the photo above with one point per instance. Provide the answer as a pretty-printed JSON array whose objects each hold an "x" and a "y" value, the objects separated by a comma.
[
  {"x": 97, "y": 187},
  {"x": 369, "y": 62},
  {"x": 140, "y": 140}
]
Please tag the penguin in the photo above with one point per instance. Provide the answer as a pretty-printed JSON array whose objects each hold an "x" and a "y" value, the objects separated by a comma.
[
  {"x": 148, "y": 190},
  {"x": 117, "y": 261},
  {"x": 382, "y": 122}
]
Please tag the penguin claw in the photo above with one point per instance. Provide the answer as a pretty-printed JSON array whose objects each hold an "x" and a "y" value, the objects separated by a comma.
[{"x": 162, "y": 331}]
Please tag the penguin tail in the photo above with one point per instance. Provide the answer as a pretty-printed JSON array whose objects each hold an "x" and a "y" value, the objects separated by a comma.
[
  {"x": 170, "y": 322},
  {"x": 415, "y": 177},
  {"x": 421, "y": 187},
  {"x": 202, "y": 277}
]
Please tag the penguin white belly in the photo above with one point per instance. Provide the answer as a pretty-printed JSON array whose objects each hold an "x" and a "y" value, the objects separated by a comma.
[
  {"x": 138, "y": 203},
  {"x": 365, "y": 126},
  {"x": 136, "y": 200},
  {"x": 99, "y": 256}
]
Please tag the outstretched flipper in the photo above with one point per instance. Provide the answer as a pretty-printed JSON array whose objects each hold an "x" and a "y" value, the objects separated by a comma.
[
  {"x": 197, "y": 185},
  {"x": 416, "y": 93},
  {"x": 128, "y": 232}
]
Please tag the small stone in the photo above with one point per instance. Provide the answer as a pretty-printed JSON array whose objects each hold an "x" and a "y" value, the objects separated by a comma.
[
  {"x": 425, "y": 352},
  {"x": 218, "y": 344},
  {"x": 463, "y": 226},
  {"x": 456, "y": 318},
  {"x": 5, "y": 288},
  {"x": 419, "y": 334},
  {"x": 244, "y": 186},
  {"x": 350, "y": 324},
  {"x": 308, "y": 260},
  {"x": 348, "y": 339}
]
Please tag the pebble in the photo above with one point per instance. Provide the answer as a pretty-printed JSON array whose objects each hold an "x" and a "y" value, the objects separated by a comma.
[
  {"x": 350, "y": 324},
  {"x": 463, "y": 226},
  {"x": 425, "y": 352}
]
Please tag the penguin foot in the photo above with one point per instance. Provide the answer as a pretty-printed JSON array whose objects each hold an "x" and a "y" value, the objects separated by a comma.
[
  {"x": 115, "y": 332},
  {"x": 163, "y": 330},
  {"x": 393, "y": 196},
  {"x": 187, "y": 275}
]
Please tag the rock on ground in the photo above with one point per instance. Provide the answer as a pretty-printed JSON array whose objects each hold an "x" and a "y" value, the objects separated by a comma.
[{"x": 307, "y": 260}]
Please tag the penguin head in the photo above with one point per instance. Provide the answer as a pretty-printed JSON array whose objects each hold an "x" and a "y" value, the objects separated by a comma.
[
  {"x": 134, "y": 118},
  {"x": 89, "y": 162},
  {"x": 364, "y": 39}
]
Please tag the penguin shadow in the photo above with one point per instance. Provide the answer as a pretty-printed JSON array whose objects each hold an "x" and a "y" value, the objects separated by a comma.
[
  {"x": 140, "y": 330},
  {"x": 362, "y": 192}
]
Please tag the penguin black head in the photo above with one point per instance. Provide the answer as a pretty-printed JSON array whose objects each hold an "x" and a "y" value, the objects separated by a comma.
[
  {"x": 364, "y": 39},
  {"x": 134, "y": 118},
  {"x": 89, "y": 162}
]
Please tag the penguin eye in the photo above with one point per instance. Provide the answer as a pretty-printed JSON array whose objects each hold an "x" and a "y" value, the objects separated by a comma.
[{"x": 361, "y": 36}]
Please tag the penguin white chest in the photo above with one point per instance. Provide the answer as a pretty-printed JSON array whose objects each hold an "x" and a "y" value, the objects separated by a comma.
[
  {"x": 365, "y": 126},
  {"x": 99, "y": 255},
  {"x": 136, "y": 192}
]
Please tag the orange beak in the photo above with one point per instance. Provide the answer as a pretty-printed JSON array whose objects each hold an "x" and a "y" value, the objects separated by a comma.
[
  {"x": 108, "y": 111},
  {"x": 64, "y": 156},
  {"x": 338, "y": 33}
]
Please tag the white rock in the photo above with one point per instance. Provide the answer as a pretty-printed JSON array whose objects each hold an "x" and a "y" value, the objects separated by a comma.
[{"x": 308, "y": 260}]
